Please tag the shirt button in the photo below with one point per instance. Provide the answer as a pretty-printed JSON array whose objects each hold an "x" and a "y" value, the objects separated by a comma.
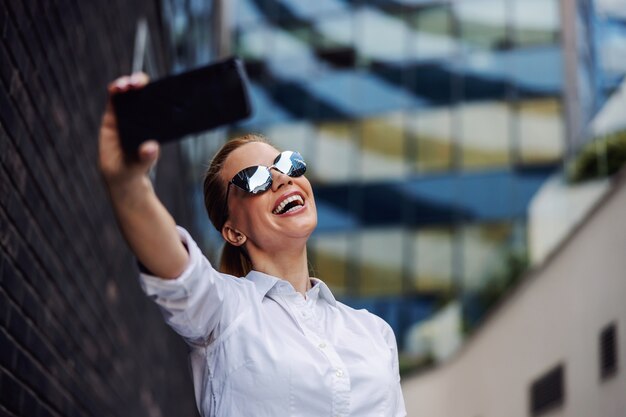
[
  {"x": 322, "y": 345},
  {"x": 339, "y": 373}
]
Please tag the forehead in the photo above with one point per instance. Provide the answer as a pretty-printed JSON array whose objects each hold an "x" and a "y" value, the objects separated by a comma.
[{"x": 253, "y": 153}]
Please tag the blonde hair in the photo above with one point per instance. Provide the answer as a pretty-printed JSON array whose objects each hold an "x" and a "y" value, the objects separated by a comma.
[{"x": 234, "y": 259}]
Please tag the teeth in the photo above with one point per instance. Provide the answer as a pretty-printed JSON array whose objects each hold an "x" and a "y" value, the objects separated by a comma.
[{"x": 286, "y": 201}]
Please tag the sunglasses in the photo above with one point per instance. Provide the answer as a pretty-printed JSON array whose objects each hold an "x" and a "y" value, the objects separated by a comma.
[{"x": 258, "y": 178}]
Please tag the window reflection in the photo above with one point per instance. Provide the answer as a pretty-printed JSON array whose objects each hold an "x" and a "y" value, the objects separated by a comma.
[
  {"x": 290, "y": 42},
  {"x": 334, "y": 31},
  {"x": 382, "y": 147},
  {"x": 534, "y": 22},
  {"x": 245, "y": 13},
  {"x": 432, "y": 35},
  {"x": 540, "y": 130},
  {"x": 430, "y": 133},
  {"x": 380, "y": 262},
  {"x": 484, "y": 249},
  {"x": 253, "y": 42},
  {"x": 435, "y": 20},
  {"x": 336, "y": 153},
  {"x": 536, "y": 69},
  {"x": 432, "y": 260},
  {"x": 381, "y": 37},
  {"x": 292, "y": 136},
  {"x": 311, "y": 9},
  {"x": 484, "y": 135},
  {"x": 330, "y": 255},
  {"x": 482, "y": 23}
]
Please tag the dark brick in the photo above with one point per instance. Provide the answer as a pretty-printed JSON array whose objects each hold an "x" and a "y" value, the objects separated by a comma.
[
  {"x": 2, "y": 267},
  {"x": 81, "y": 353},
  {"x": 4, "y": 15},
  {"x": 5, "y": 186},
  {"x": 18, "y": 329},
  {"x": 12, "y": 284},
  {"x": 11, "y": 392},
  {"x": 8, "y": 116},
  {"x": 30, "y": 406},
  {"x": 40, "y": 348},
  {"x": 8, "y": 351},
  {"x": 6, "y": 70}
]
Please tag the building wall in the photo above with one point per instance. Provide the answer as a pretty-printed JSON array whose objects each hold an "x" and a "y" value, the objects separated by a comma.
[
  {"x": 77, "y": 336},
  {"x": 426, "y": 127},
  {"x": 554, "y": 317}
]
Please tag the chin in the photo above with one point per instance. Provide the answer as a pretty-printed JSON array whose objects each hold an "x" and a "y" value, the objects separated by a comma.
[{"x": 304, "y": 227}]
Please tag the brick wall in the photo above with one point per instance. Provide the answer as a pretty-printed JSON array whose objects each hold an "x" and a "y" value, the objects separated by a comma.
[{"x": 77, "y": 336}]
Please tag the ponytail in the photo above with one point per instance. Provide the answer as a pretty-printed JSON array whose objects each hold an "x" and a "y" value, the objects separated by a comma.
[{"x": 234, "y": 261}]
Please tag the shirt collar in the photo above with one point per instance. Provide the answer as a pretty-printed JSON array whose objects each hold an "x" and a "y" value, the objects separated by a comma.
[
  {"x": 264, "y": 283},
  {"x": 324, "y": 291}
]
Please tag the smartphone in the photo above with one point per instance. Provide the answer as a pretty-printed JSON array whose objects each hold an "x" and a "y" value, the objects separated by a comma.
[{"x": 191, "y": 102}]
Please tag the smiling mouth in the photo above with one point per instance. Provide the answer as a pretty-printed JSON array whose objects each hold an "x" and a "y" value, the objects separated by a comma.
[{"x": 289, "y": 204}]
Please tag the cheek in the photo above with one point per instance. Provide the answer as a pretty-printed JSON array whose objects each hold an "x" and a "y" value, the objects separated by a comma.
[
  {"x": 249, "y": 213},
  {"x": 305, "y": 185}
]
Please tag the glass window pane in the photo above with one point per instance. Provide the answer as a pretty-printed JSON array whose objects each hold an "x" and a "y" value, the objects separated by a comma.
[
  {"x": 484, "y": 135},
  {"x": 381, "y": 262},
  {"x": 536, "y": 69},
  {"x": 432, "y": 36},
  {"x": 293, "y": 137},
  {"x": 336, "y": 156},
  {"x": 381, "y": 36},
  {"x": 291, "y": 41},
  {"x": 535, "y": 21},
  {"x": 484, "y": 251},
  {"x": 334, "y": 31},
  {"x": 430, "y": 132},
  {"x": 246, "y": 13},
  {"x": 382, "y": 147},
  {"x": 436, "y": 20},
  {"x": 482, "y": 23},
  {"x": 311, "y": 9},
  {"x": 432, "y": 260},
  {"x": 331, "y": 260},
  {"x": 541, "y": 131},
  {"x": 253, "y": 42}
]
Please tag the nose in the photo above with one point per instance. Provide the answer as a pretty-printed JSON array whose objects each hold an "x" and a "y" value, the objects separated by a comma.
[{"x": 279, "y": 179}]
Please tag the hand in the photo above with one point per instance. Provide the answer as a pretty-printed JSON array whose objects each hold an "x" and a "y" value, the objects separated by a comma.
[{"x": 115, "y": 166}]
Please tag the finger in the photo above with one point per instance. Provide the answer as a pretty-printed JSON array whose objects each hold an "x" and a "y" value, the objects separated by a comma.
[
  {"x": 149, "y": 151},
  {"x": 138, "y": 80},
  {"x": 125, "y": 83},
  {"x": 119, "y": 85}
]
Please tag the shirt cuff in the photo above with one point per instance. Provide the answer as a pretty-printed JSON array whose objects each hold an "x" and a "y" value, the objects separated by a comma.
[{"x": 180, "y": 286}]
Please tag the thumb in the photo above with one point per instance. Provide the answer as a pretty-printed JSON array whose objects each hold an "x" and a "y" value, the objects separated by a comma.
[{"x": 148, "y": 153}]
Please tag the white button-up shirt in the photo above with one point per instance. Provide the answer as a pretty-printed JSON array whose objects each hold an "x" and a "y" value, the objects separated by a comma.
[{"x": 259, "y": 348}]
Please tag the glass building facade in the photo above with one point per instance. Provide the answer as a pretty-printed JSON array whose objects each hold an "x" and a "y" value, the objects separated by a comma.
[{"x": 427, "y": 127}]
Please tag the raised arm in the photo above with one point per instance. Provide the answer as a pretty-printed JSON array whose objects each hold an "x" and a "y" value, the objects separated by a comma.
[{"x": 146, "y": 224}]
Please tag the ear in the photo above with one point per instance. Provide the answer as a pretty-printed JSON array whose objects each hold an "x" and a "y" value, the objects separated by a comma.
[{"x": 232, "y": 235}]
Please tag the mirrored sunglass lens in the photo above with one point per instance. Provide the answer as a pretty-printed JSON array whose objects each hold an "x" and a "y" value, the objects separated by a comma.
[
  {"x": 290, "y": 163},
  {"x": 253, "y": 179}
]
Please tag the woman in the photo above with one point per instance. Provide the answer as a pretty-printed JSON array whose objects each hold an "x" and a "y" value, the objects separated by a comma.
[{"x": 274, "y": 342}]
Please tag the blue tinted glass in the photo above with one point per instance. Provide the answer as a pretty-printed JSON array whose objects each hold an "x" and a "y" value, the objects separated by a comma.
[
  {"x": 264, "y": 108},
  {"x": 360, "y": 94}
]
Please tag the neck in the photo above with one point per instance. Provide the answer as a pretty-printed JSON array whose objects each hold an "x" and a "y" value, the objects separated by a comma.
[{"x": 288, "y": 264}]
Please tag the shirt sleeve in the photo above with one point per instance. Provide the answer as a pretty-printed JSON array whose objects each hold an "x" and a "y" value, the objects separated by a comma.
[
  {"x": 399, "y": 409},
  {"x": 201, "y": 302}
]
